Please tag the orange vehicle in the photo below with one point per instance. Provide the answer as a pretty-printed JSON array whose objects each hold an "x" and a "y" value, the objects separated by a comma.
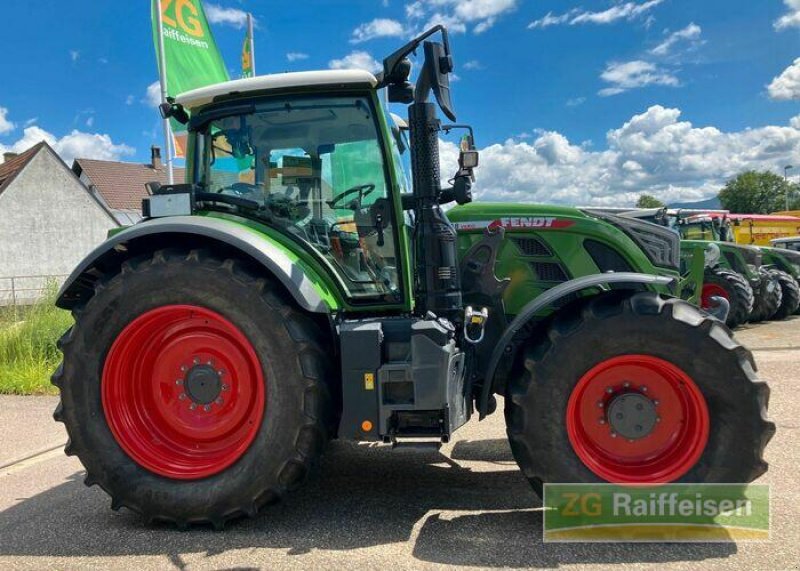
[{"x": 759, "y": 229}]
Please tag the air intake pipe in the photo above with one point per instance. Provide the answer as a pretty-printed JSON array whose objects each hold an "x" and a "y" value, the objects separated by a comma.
[{"x": 438, "y": 282}]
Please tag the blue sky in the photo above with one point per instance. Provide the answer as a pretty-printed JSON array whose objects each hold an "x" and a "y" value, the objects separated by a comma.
[{"x": 590, "y": 101}]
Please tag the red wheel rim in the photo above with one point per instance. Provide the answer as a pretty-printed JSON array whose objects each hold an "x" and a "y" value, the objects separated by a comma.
[
  {"x": 668, "y": 450},
  {"x": 709, "y": 291},
  {"x": 183, "y": 391}
]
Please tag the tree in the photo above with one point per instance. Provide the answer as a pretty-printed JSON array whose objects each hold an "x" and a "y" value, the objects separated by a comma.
[
  {"x": 648, "y": 201},
  {"x": 758, "y": 192}
]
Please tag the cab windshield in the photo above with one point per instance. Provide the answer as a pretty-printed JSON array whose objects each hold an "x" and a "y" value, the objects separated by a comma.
[{"x": 315, "y": 168}]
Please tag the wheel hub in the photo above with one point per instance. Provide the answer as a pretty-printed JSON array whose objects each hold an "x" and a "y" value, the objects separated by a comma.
[
  {"x": 632, "y": 415},
  {"x": 203, "y": 384}
]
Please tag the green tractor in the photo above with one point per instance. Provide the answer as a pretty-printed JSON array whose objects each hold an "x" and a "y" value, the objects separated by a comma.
[
  {"x": 784, "y": 264},
  {"x": 770, "y": 274},
  {"x": 294, "y": 290},
  {"x": 713, "y": 269}
]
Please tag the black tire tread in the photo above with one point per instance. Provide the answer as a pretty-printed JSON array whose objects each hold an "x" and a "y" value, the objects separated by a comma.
[
  {"x": 790, "y": 300},
  {"x": 535, "y": 458},
  {"x": 311, "y": 354},
  {"x": 767, "y": 302},
  {"x": 740, "y": 294}
]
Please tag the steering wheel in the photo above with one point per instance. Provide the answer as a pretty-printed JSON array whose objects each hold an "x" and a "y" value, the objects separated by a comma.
[{"x": 363, "y": 191}]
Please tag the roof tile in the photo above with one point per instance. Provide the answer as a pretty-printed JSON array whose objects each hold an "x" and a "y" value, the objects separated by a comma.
[{"x": 121, "y": 184}]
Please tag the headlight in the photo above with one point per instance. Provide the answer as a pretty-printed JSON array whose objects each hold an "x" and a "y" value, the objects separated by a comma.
[{"x": 661, "y": 245}]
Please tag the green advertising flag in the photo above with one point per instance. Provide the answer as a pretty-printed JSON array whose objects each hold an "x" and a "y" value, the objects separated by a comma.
[
  {"x": 190, "y": 52},
  {"x": 247, "y": 56}
]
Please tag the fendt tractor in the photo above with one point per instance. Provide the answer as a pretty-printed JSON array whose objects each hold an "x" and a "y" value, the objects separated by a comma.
[
  {"x": 294, "y": 289},
  {"x": 772, "y": 275}
]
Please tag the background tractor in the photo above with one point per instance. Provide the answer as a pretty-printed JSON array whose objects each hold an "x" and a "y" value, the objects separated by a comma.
[
  {"x": 712, "y": 267},
  {"x": 296, "y": 289},
  {"x": 777, "y": 293}
]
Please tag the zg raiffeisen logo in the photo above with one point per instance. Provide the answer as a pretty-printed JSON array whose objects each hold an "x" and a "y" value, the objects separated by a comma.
[
  {"x": 182, "y": 22},
  {"x": 670, "y": 512}
]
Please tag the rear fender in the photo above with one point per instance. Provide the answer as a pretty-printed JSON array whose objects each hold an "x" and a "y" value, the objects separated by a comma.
[
  {"x": 505, "y": 345},
  {"x": 300, "y": 280}
]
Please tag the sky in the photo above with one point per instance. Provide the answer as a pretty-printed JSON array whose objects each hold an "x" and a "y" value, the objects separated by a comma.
[{"x": 573, "y": 101}]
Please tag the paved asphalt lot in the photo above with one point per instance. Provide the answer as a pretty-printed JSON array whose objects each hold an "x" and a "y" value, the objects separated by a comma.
[{"x": 466, "y": 505}]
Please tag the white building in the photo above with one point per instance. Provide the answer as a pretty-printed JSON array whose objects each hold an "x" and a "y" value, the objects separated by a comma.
[{"x": 48, "y": 222}]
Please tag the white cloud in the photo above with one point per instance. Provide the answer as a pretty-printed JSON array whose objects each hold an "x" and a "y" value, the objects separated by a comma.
[
  {"x": 792, "y": 18},
  {"x": 624, "y": 76},
  {"x": 473, "y": 64},
  {"x": 74, "y": 55},
  {"x": 6, "y": 126},
  {"x": 357, "y": 60},
  {"x": 31, "y": 121},
  {"x": 76, "y": 144},
  {"x": 690, "y": 34},
  {"x": 153, "y": 95},
  {"x": 786, "y": 86},
  {"x": 296, "y": 56},
  {"x": 90, "y": 121},
  {"x": 377, "y": 28},
  {"x": 654, "y": 152},
  {"x": 130, "y": 99},
  {"x": 226, "y": 16},
  {"x": 575, "y": 101},
  {"x": 624, "y": 11},
  {"x": 457, "y": 15}
]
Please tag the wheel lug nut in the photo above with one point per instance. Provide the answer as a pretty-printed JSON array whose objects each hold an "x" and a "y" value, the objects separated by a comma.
[
  {"x": 196, "y": 361},
  {"x": 626, "y": 384},
  {"x": 182, "y": 396},
  {"x": 609, "y": 390},
  {"x": 210, "y": 363},
  {"x": 656, "y": 402},
  {"x": 613, "y": 435},
  {"x": 225, "y": 387},
  {"x": 658, "y": 419},
  {"x": 644, "y": 389},
  {"x": 602, "y": 421},
  {"x": 221, "y": 372},
  {"x": 219, "y": 401},
  {"x": 192, "y": 406},
  {"x": 178, "y": 381},
  {"x": 207, "y": 407},
  {"x": 184, "y": 368}
]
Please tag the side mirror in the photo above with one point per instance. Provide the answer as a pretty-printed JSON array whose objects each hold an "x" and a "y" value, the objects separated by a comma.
[
  {"x": 172, "y": 110},
  {"x": 439, "y": 64}
]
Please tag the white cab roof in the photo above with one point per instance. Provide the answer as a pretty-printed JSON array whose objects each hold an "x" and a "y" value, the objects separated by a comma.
[{"x": 198, "y": 97}]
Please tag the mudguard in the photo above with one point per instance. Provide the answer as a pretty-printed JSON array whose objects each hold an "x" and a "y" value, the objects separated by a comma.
[
  {"x": 301, "y": 281},
  {"x": 546, "y": 299}
]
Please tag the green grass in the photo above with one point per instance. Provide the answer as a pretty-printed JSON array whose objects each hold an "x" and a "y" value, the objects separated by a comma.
[{"x": 28, "y": 353}]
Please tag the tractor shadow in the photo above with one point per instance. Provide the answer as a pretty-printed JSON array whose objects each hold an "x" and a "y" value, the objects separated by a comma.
[{"x": 472, "y": 507}]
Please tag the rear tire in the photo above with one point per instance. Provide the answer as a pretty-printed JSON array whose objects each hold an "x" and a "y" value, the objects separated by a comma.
[
  {"x": 768, "y": 297},
  {"x": 179, "y": 455},
  {"x": 705, "y": 379},
  {"x": 733, "y": 287},
  {"x": 790, "y": 299}
]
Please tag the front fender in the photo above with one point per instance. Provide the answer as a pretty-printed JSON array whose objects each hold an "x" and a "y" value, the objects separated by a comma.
[
  {"x": 547, "y": 299},
  {"x": 300, "y": 280}
]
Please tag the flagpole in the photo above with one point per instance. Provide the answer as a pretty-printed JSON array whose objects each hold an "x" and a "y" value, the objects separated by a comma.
[
  {"x": 252, "y": 43},
  {"x": 162, "y": 61}
]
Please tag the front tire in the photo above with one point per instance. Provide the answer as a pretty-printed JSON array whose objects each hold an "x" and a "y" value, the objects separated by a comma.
[
  {"x": 702, "y": 415},
  {"x": 768, "y": 297},
  {"x": 731, "y": 286},
  {"x": 790, "y": 299},
  {"x": 192, "y": 390}
]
